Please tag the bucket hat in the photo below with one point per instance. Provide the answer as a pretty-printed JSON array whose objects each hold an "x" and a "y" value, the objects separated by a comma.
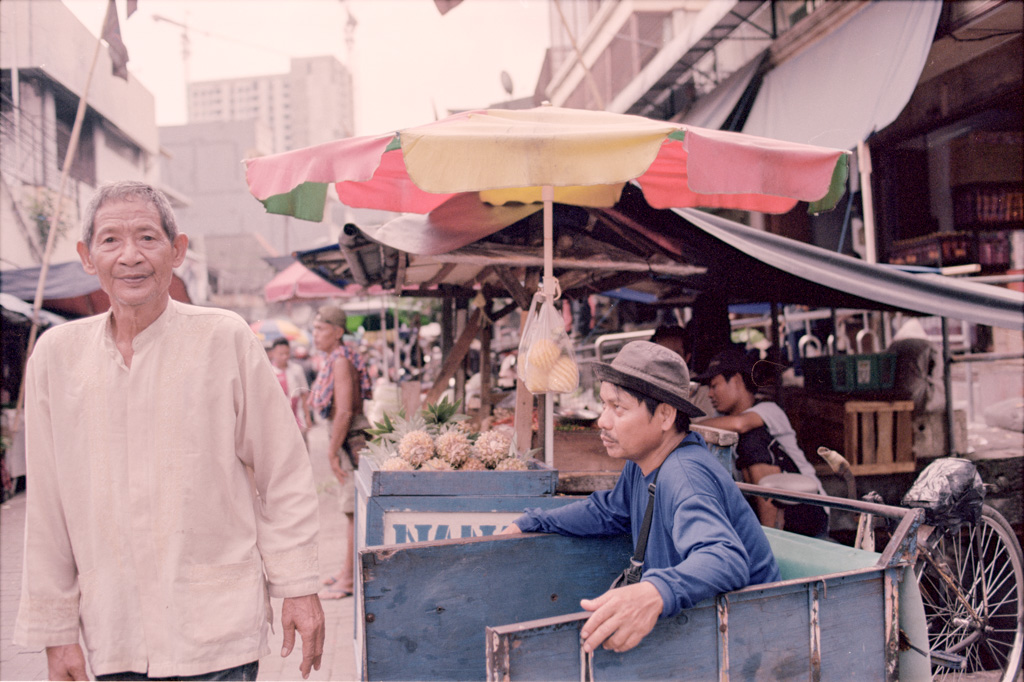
[{"x": 651, "y": 370}]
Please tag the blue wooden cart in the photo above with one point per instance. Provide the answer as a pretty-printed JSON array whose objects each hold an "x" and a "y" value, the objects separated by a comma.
[{"x": 507, "y": 608}]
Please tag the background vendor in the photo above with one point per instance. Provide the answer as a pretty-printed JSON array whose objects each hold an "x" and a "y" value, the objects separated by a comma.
[{"x": 767, "y": 442}]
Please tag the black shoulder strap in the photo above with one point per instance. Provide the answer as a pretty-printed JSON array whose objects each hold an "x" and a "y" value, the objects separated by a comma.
[{"x": 645, "y": 528}]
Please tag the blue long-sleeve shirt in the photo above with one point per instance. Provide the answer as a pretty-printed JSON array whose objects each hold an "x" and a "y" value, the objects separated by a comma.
[{"x": 705, "y": 539}]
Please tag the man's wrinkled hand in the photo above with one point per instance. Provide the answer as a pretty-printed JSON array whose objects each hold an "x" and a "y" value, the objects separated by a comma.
[
  {"x": 622, "y": 617},
  {"x": 305, "y": 615},
  {"x": 510, "y": 529},
  {"x": 66, "y": 662}
]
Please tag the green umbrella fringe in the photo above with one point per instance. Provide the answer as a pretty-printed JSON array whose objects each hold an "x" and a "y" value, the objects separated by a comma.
[{"x": 305, "y": 202}]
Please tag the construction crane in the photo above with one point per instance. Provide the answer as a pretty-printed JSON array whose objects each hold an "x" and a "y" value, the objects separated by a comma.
[{"x": 186, "y": 43}]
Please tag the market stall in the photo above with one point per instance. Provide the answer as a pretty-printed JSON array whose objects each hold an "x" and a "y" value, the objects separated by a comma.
[
  {"x": 672, "y": 257},
  {"x": 537, "y": 157}
]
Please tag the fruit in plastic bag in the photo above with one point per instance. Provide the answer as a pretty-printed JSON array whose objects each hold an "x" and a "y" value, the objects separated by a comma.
[
  {"x": 564, "y": 376},
  {"x": 536, "y": 379},
  {"x": 543, "y": 354}
]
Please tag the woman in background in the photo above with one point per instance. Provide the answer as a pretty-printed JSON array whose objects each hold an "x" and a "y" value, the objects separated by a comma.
[{"x": 337, "y": 396}]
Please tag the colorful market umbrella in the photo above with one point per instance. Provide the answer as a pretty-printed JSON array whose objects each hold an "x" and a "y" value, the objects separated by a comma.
[
  {"x": 299, "y": 282},
  {"x": 587, "y": 156},
  {"x": 550, "y": 154},
  {"x": 276, "y": 328}
]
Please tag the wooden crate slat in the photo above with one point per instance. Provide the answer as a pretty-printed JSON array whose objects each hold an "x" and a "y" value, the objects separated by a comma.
[{"x": 883, "y": 429}]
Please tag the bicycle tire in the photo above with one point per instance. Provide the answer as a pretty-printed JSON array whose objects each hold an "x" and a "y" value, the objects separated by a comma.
[{"x": 986, "y": 562}]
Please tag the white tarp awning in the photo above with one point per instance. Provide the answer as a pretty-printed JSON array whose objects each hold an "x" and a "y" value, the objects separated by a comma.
[
  {"x": 856, "y": 81},
  {"x": 712, "y": 110}
]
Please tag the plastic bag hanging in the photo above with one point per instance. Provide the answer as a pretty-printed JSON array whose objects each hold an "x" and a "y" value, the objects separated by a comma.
[{"x": 546, "y": 362}]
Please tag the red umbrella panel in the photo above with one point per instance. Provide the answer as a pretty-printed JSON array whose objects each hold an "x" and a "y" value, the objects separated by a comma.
[{"x": 299, "y": 282}]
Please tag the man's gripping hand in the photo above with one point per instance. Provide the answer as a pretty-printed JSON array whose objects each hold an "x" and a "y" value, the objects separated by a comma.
[
  {"x": 622, "y": 617},
  {"x": 307, "y": 616},
  {"x": 66, "y": 662}
]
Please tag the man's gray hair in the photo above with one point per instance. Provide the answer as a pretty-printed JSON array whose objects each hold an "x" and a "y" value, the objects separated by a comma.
[{"x": 130, "y": 190}]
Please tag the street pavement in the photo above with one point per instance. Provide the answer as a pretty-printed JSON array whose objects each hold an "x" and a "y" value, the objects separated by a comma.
[{"x": 338, "y": 662}]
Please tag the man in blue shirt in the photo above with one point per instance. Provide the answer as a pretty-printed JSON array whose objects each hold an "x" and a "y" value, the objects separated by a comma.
[{"x": 704, "y": 537}]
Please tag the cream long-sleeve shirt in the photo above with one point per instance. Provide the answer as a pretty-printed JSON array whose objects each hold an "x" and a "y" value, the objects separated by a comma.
[{"x": 142, "y": 526}]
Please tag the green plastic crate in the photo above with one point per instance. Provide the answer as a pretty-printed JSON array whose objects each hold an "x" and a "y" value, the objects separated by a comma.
[{"x": 850, "y": 373}]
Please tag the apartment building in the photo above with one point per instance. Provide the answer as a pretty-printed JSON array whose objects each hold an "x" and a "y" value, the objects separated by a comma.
[{"x": 312, "y": 103}]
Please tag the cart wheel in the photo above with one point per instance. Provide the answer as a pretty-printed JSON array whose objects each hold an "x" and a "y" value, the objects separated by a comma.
[{"x": 986, "y": 564}]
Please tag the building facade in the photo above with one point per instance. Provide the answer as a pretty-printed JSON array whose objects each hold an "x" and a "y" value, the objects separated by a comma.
[
  {"x": 934, "y": 123},
  {"x": 223, "y": 221},
  {"x": 45, "y": 55},
  {"x": 312, "y": 103}
]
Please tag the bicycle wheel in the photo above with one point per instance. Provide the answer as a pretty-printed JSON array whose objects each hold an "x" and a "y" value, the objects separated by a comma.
[{"x": 981, "y": 617}]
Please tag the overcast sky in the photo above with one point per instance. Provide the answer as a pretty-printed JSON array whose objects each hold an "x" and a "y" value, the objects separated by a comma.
[{"x": 407, "y": 59}]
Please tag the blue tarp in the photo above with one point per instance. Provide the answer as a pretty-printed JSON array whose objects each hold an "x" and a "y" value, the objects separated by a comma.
[{"x": 63, "y": 280}]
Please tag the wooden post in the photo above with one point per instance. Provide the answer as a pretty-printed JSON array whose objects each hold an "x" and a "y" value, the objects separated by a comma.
[
  {"x": 410, "y": 396},
  {"x": 947, "y": 384},
  {"x": 486, "y": 330},
  {"x": 461, "y": 310},
  {"x": 455, "y": 358}
]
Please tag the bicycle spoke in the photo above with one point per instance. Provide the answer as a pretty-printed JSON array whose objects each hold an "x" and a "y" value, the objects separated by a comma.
[{"x": 998, "y": 655}]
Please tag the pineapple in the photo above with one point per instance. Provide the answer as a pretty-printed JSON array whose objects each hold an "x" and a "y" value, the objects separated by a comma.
[
  {"x": 536, "y": 379},
  {"x": 437, "y": 464},
  {"x": 564, "y": 375},
  {"x": 491, "y": 447},
  {"x": 543, "y": 354},
  {"x": 379, "y": 451},
  {"x": 395, "y": 463},
  {"x": 384, "y": 430},
  {"x": 415, "y": 444},
  {"x": 512, "y": 464},
  {"x": 453, "y": 446},
  {"x": 439, "y": 415},
  {"x": 473, "y": 464},
  {"x": 416, "y": 447}
]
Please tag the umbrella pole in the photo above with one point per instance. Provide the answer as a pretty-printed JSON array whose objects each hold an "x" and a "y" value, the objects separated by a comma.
[{"x": 548, "y": 195}]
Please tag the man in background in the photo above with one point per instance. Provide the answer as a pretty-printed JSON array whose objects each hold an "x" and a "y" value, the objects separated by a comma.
[
  {"x": 767, "y": 442},
  {"x": 292, "y": 378}
]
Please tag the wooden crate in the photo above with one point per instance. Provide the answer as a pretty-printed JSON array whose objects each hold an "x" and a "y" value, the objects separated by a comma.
[
  {"x": 878, "y": 436},
  {"x": 875, "y": 436},
  {"x": 394, "y": 507}
]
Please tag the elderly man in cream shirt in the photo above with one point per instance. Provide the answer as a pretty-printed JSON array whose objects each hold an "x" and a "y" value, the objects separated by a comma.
[{"x": 170, "y": 494}]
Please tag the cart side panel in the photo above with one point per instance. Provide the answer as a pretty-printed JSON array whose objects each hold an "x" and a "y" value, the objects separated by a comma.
[
  {"x": 426, "y": 605},
  {"x": 767, "y": 633}
]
